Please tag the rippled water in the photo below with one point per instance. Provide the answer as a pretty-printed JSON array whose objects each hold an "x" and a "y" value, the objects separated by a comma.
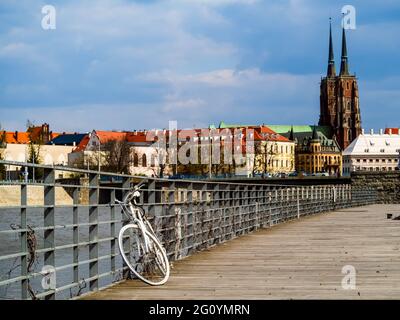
[{"x": 10, "y": 243}]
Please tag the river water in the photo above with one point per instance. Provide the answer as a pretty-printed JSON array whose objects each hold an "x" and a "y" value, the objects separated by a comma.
[{"x": 10, "y": 243}]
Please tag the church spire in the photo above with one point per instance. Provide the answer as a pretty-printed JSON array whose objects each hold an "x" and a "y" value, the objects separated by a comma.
[
  {"x": 331, "y": 61},
  {"x": 291, "y": 135},
  {"x": 344, "y": 66}
]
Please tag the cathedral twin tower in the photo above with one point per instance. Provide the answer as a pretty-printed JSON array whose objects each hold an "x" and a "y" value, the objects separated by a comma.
[{"x": 339, "y": 101}]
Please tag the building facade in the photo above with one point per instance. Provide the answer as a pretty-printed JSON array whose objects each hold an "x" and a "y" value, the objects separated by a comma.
[
  {"x": 373, "y": 152},
  {"x": 315, "y": 153},
  {"x": 274, "y": 153},
  {"x": 339, "y": 98},
  {"x": 48, "y": 155}
]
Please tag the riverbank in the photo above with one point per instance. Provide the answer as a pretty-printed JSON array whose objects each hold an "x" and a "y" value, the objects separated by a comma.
[{"x": 10, "y": 195}]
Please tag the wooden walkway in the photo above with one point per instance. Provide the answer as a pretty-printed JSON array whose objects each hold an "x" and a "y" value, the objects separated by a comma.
[{"x": 301, "y": 259}]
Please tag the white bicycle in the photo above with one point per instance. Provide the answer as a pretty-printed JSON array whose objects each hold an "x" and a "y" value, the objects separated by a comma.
[{"x": 138, "y": 244}]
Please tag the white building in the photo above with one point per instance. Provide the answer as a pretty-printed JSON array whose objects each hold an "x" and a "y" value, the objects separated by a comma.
[
  {"x": 48, "y": 155},
  {"x": 372, "y": 152}
]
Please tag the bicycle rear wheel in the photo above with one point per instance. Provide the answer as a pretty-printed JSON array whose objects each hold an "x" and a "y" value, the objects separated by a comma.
[{"x": 148, "y": 262}]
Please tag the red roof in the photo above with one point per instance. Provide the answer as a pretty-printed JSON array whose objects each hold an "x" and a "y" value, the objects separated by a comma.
[
  {"x": 82, "y": 145},
  {"x": 261, "y": 133},
  {"x": 106, "y": 136},
  {"x": 393, "y": 130},
  {"x": 16, "y": 137},
  {"x": 140, "y": 136}
]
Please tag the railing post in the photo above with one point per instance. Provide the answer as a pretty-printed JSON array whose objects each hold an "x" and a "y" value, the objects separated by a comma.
[
  {"x": 298, "y": 202},
  {"x": 75, "y": 234},
  {"x": 49, "y": 203},
  {"x": 190, "y": 228},
  {"x": 238, "y": 203},
  {"x": 112, "y": 231},
  {"x": 175, "y": 216},
  {"x": 203, "y": 214},
  {"x": 126, "y": 184},
  {"x": 243, "y": 224},
  {"x": 270, "y": 208},
  {"x": 24, "y": 243},
  {"x": 93, "y": 230},
  {"x": 217, "y": 212}
]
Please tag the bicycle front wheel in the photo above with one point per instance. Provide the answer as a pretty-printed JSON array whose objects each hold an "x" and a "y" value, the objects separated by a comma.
[{"x": 143, "y": 254}]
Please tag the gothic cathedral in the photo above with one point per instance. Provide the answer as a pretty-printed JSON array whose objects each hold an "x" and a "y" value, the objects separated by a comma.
[{"x": 339, "y": 101}]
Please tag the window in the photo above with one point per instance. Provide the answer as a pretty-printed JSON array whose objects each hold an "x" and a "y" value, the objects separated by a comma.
[
  {"x": 135, "y": 160},
  {"x": 382, "y": 150},
  {"x": 144, "y": 160},
  {"x": 153, "y": 160}
]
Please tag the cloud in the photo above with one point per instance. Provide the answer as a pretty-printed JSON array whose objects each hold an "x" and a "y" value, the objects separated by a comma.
[
  {"x": 131, "y": 64},
  {"x": 225, "y": 2}
]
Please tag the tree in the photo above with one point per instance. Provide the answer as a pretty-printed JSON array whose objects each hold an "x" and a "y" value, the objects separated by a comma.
[
  {"x": 264, "y": 154},
  {"x": 2, "y": 166},
  {"x": 2, "y": 148},
  {"x": 117, "y": 156},
  {"x": 35, "y": 158},
  {"x": 29, "y": 124}
]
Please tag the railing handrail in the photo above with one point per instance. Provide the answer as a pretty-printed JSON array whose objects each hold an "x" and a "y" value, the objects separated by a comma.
[{"x": 127, "y": 176}]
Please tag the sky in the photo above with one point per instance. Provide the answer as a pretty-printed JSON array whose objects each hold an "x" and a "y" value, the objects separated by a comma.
[{"x": 125, "y": 65}]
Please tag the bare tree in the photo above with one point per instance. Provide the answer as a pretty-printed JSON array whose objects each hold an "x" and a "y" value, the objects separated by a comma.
[
  {"x": 29, "y": 124},
  {"x": 2, "y": 166},
  {"x": 117, "y": 156},
  {"x": 264, "y": 154},
  {"x": 2, "y": 148},
  {"x": 35, "y": 158}
]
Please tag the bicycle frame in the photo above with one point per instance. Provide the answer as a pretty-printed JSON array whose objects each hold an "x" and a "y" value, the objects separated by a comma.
[{"x": 132, "y": 212}]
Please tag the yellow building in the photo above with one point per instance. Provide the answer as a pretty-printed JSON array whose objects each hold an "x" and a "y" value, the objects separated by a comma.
[
  {"x": 274, "y": 153},
  {"x": 316, "y": 153}
]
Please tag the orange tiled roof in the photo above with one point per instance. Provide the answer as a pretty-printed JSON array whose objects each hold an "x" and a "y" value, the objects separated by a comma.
[
  {"x": 393, "y": 130},
  {"x": 106, "y": 136},
  {"x": 260, "y": 133},
  {"x": 140, "y": 136},
  {"x": 16, "y": 137},
  {"x": 82, "y": 145},
  {"x": 54, "y": 135},
  {"x": 22, "y": 137}
]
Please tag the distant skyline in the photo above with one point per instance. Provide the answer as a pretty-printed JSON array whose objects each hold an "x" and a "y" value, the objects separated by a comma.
[{"x": 125, "y": 65}]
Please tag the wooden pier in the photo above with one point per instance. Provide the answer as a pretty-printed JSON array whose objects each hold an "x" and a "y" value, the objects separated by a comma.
[{"x": 301, "y": 259}]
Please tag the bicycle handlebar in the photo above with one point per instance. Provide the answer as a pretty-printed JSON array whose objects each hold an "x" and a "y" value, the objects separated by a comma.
[
  {"x": 140, "y": 184},
  {"x": 132, "y": 194}
]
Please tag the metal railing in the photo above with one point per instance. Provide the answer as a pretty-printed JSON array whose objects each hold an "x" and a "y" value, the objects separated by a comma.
[{"x": 77, "y": 241}]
